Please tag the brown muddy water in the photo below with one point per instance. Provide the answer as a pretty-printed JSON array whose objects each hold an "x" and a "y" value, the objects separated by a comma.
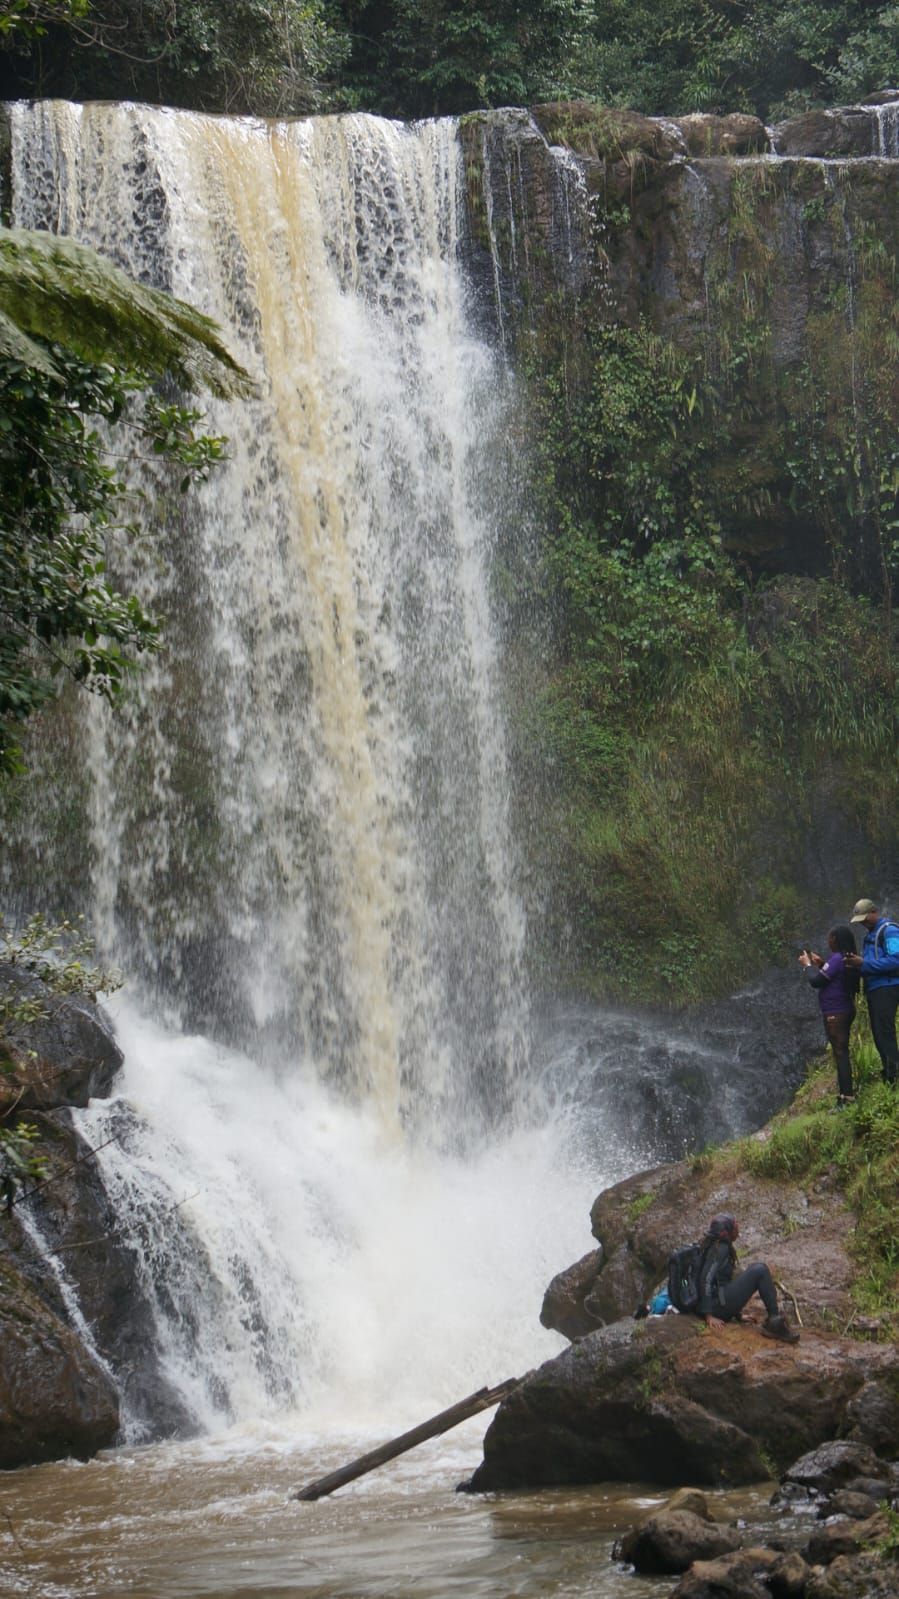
[{"x": 213, "y": 1518}]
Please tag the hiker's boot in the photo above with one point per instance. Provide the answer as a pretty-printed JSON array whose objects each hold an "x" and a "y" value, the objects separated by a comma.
[{"x": 778, "y": 1327}]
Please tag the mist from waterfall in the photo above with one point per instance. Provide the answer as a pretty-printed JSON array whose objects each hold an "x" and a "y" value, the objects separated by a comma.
[{"x": 295, "y": 837}]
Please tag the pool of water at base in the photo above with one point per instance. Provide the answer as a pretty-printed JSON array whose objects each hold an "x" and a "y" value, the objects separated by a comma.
[{"x": 213, "y": 1519}]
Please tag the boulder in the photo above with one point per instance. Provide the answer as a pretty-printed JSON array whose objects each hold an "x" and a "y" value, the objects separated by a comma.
[
  {"x": 690, "y": 1499},
  {"x": 827, "y": 1468},
  {"x": 844, "y": 1537},
  {"x": 854, "y": 1577},
  {"x": 875, "y": 1488},
  {"x": 736, "y": 134},
  {"x": 666, "y": 1400},
  {"x": 734, "y": 1576},
  {"x": 803, "y": 1233},
  {"x": 609, "y": 133},
  {"x": 66, "y": 1057},
  {"x": 840, "y": 131},
  {"x": 788, "y": 1576},
  {"x": 671, "y": 1540},
  {"x": 874, "y": 1417},
  {"x": 858, "y": 1507},
  {"x": 56, "y": 1399},
  {"x": 563, "y": 1303}
]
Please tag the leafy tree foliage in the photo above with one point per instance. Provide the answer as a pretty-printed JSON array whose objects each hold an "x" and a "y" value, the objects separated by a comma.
[
  {"x": 60, "y": 498},
  {"x": 771, "y": 57},
  {"x": 273, "y": 57},
  {"x": 425, "y": 57},
  {"x": 439, "y": 56}
]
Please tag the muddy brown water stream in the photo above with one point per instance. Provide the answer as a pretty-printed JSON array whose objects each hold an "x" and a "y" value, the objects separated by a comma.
[{"x": 212, "y": 1519}]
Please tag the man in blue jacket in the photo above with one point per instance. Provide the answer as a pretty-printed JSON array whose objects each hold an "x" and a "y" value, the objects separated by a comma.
[{"x": 879, "y": 966}]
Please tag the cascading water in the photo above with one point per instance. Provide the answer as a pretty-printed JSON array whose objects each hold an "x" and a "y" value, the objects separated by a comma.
[
  {"x": 296, "y": 833},
  {"x": 302, "y": 825}
]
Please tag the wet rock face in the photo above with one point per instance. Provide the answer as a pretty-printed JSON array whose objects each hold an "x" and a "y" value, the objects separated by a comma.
[
  {"x": 667, "y": 1401},
  {"x": 563, "y": 1303},
  {"x": 55, "y": 1398},
  {"x": 60, "y": 1392},
  {"x": 579, "y": 210},
  {"x": 76, "y": 1220},
  {"x": 66, "y": 1058}
]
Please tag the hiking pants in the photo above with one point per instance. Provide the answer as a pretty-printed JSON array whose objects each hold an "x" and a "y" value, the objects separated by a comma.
[
  {"x": 755, "y": 1279},
  {"x": 882, "y": 1006},
  {"x": 838, "y": 1029}
]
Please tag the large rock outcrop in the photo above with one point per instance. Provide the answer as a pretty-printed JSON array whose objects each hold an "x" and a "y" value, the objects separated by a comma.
[
  {"x": 65, "y": 1056},
  {"x": 76, "y": 1331},
  {"x": 56, "y": 1398},
  {"x": 801, "y": 1230},
  {"x": 692, "y": 225},
  {"x": 668, "y": 1401}
]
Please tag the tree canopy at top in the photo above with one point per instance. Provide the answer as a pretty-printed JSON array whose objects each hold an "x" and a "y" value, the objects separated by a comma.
[{"x": 427, "y": 57}]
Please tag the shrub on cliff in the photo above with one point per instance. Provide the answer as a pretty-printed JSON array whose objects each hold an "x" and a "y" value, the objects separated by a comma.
[{"x": 81, "y": 346}]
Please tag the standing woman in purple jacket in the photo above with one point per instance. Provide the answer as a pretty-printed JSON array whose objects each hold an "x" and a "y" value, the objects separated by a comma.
[{"x": 837, "y": 986}]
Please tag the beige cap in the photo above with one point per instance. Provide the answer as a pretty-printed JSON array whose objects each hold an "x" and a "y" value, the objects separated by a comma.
[{"x": 861, "y": 909}]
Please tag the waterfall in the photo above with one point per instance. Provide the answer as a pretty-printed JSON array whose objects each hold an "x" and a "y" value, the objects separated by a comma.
[
  {"x": 298, "y": 833},
  {"x": 294, "y": 836}
]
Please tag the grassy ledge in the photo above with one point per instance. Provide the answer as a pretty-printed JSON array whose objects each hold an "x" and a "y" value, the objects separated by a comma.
[{"x": 859, "y": 1148}]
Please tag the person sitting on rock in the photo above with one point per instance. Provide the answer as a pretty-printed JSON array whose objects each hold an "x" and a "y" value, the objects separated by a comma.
[{"x": 722, "y": 1296}]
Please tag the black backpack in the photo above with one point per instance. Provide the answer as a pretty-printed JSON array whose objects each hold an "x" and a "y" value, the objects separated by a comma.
[{"x": 684, "y": 1268}]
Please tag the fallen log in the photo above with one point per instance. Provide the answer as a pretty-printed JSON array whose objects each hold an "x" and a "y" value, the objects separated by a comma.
[{"x": 482, "y": 1400}]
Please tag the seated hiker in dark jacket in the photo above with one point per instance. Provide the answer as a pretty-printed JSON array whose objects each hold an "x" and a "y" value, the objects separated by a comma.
[{"x": 722, "y": 1295}]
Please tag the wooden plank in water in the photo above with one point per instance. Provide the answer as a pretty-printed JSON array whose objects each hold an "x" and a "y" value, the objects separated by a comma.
[{"x": 482, "y": 1400}]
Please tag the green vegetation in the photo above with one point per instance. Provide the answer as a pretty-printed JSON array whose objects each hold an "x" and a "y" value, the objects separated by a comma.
[
  {"x": 889, "y": 1544},
  {"x": 639, "y": 1206},
  {"x": 20, "y": 1163},
  {"x": 406, "y": 58},
  {"x": 423, "y": 59},
  {"x": 860, "y": 1146},
  {"x": 80, "y": 347},
  {"x": 248, "y": 55},
  {"x": 52, "y": 958},
  {"x": 770, "y": 57},
  {"x": 55, "y": 954},
  {"x": 698, "y": 704}
]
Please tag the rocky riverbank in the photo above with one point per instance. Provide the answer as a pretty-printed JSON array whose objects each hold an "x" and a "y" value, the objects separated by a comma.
[
  {"x": 846, "y": 1553},
  {"x": 669, "y": 1400}
]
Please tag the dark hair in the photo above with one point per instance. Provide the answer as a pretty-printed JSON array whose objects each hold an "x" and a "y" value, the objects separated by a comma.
[
  {"x": 843, "y": 939},
  {"x": 722, "y": 1226}
]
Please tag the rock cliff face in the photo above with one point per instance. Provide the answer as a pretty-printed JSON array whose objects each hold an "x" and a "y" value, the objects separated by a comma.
[
  {"x": 76, "y": 1331},
  {"x": 692, "y": 224}
]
